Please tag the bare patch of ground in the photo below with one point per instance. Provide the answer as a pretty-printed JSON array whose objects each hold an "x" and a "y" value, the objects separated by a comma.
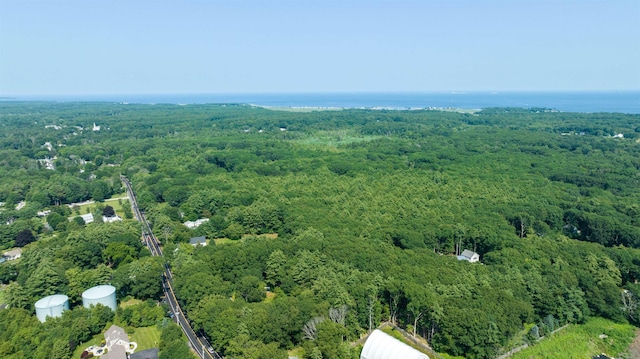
[{"x": 634, "y": 348}]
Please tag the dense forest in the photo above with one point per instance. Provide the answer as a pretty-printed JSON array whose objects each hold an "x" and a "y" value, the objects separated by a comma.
[{"x": 323, "y": 224}]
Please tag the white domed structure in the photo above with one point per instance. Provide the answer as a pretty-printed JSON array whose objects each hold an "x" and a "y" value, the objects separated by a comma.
[
  {"x": 381, "y": 345},
  {"x": 51, "y": 306},
  {"x": 101, "y": 294}
]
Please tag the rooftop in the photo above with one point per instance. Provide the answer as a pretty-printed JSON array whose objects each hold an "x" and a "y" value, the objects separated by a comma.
[{"x": 198, "y": 240}]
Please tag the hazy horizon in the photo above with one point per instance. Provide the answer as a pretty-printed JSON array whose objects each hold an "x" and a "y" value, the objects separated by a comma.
[{"x": 364, "y": 92}]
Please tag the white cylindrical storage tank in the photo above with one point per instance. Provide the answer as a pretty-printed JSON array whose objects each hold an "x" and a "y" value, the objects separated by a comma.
[
  {"x": 381, "y": 345},
  {"x": 51, "y": 306},
  {"x": 102, "y": 294}
]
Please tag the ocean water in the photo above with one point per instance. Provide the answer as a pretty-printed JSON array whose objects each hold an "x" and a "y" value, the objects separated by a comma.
[{"x": 588, "y": 102}]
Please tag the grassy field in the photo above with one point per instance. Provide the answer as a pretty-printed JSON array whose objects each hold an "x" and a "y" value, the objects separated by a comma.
[
  {"x": 335, "y": 138},
  {"x": 583, "y": 341},
  {"x": 114, "y": 202},
  {"x": 296, "y": 352},
  {"x": 270, "y": 297},
  {"x": 225, "y": 240},
  {"x": 130, "y": 302},
  {"x": 147, "y": 337}
]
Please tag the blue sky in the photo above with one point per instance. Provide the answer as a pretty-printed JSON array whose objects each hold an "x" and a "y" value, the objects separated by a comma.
[{"x": 65, "y": 47}]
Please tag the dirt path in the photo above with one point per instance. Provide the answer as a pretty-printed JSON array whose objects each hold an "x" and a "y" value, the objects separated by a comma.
[{"x": 634, "y": 348}]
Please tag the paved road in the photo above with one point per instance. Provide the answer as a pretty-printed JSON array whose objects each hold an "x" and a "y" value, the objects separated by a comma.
[{"x": 198, "y": 344}]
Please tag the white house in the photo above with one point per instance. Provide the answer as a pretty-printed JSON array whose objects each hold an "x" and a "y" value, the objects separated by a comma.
[
  {"x": 469, "y": 256},
  {"x": 43, "y": 213},
  {"x": 196, "y": 223},
  {"x": 48, "y": 163},
  {"x": 110, "y": 219}
]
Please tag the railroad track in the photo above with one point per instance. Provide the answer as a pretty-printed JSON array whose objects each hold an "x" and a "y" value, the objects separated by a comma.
[{"x": 198, "y": 344}]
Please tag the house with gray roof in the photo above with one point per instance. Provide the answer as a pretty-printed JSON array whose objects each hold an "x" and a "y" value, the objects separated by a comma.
[
  {"x": 469, "y": 256},
  {"x": 117, "y": 343},
  {"x": 145, "y": 354},
  {"x": 11, "y": 255},
  {"x": 198, "y": 241}
]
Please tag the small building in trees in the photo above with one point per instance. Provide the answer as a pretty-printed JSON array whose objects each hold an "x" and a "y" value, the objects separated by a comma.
[
  {"x": 469, "y": 256},
  {"x": 87, "y": 218},
  {"x": 43, "y": 213},
  {"x": 198, "y": 241},
  {"x": 196, "y": 223},
  {"x": 11, "y": 255},
  {"x": 381, "y": 345},
  {"x": 106, "y": 219},
  {"x": 20, "y": 205}
]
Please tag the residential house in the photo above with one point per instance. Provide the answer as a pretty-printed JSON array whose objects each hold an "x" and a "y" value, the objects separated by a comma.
[
  {"x": 43, "y": 213},
  {"x": 88, "y": 218},
  {"x": 48, "y": 163},
  {"x": 111, "y": 219},
  {"x": 117, "y": 343},
  {"x": 117, "y": 352},
  {"x": 198, "y": 241},
  {"x": 196, "y": 223},
  {"x": 469, "y": 256},
  {"x": 12, "y": 255}
]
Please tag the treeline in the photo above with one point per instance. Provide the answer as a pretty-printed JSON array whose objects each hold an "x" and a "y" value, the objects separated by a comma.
[{"x": 333, "y": 221}]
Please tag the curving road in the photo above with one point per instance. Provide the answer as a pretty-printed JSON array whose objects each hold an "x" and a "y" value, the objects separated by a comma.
[{"x": 198, "y": 344}]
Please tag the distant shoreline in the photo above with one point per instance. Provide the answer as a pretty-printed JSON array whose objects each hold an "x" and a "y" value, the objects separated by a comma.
[
  {"x": 584, "y": 102},
  {"x": 319, "y": 108}
]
